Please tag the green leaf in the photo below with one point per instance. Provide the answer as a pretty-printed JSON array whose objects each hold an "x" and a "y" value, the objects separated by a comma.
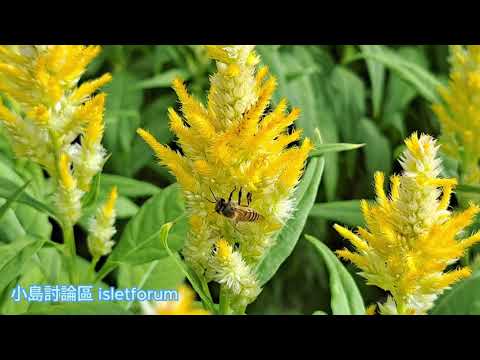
[
  {"x": 399, "y": 93},
  {"x": 344, "y": 212},
  {"x": 425, "y": 83},
  {"x": 139, "y": 243},
  {"x": 462, "y": 299},
  {"x": 376, "y": 71},
  {"x": 80, "y": 309},
  {"x": 92, "y": 196},
  {"x": 287, "y": 239},
  {"x": 13, "y": 257},
  {"x": 346, "y": 93},
  {"x": 7, "y": 188},
  {"x": 189, "y": 273},
  {"x": 46, "y": 267},
  {"x": 310, "y": 92},
  {"x": 158, "y": 274},
  {"x": 346, "y": 298},
  {"x": 155, "y": 120},
  {"x": 122, "y": 118},
  {"x": 327, "y": 148},
  {"x": 163, "y": 80},
  {"x": 128, "y": 187},
  {"x": 472, "y": 189},
  {"x": 377, "y": 151},
  {"x": 319, "y": 312},
  {"x": 10, "y": 227},
  {"x": 32, "y": 221}
]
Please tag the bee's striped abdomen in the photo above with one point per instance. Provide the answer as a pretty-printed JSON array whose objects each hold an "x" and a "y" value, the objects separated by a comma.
[{"x": 247, "y": 214}]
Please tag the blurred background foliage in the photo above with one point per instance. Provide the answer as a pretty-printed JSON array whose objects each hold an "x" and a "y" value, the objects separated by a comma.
[{"x": 352, "y": 101}]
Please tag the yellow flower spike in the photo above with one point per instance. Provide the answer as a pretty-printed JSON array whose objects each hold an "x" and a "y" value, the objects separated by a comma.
[
  {"x": 110, "y": 204},
  {"x": 452, "y": 277},
  {"x": 68, "y": 195},
  {"x": 177, "y": 164},
  {"x": 379, "y": 188},
  {"x": 411, "y": 237},
  {"x": 94, "y": 131},
  {"x": 101, "y": 227},
  {"x": 261, "y": 75},
  {"x": 40, "y": 115},
  {"x": 233, "y": 142},
  {"x": 66, "y": 177},
  {"x": 218, "y": 53},
  {"x": 459, "y": 112},
  {"x": 224, "y": 250},
  {"x": 189, "y": 104},
  {"x": 252, "y": 59},
  {"x": 253, "y": 116},
  {"x": 233, "y": 70},
  {"x": 51, "y": 112},
  {"x": 196, "y": 222},
  {"x": 395, "y": 187},
  {"x": 354, "y": 239},
  {"x": 203, "y": 168},
  {"x": 201, "y": 125},
  {"x": 7, "y": 116},
  {"x": 470, "y": 241},
  {"x": 88, "y": 88}
]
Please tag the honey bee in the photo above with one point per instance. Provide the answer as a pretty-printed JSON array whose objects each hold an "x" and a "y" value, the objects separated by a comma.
[{"x": 234, "y": 210}]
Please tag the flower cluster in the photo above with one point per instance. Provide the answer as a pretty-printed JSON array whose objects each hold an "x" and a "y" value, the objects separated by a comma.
[
  {"x": 47, "y": 112},
  {"x": 101, "y": 229},
  {"x": 459, "y": 114},
  {"x": 234, "y": 144},
  {"x": 411, "y": 237}
]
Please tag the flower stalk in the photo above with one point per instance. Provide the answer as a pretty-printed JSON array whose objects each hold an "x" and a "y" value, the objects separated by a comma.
[
  {"x": 236, "y": 150},
  {"x": 48, "y": 110},
  {"x": 411, "y": 236}
]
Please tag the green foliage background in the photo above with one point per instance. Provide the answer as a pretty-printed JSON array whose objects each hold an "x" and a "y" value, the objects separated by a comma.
[{"x": 349, "y": 98}]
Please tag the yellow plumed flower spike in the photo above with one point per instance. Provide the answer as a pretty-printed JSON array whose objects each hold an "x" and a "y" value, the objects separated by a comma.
[
  {"x": 68, "y": 195},
  {"x": 101, "y": 227},
  {"x": 459, "y": 112},
  {"x": 411, "y": 237},
  {"x": 231, "y": 144},
  {"x": 49, "y": 111}
]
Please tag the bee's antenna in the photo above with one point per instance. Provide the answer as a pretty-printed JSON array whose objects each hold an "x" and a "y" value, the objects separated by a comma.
[
  {"x": 213, "y": 193},
  {"x": 210, "y": 201}
]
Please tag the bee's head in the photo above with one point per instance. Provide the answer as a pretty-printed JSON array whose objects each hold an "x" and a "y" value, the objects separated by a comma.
[{"x": 220, "y": 205}]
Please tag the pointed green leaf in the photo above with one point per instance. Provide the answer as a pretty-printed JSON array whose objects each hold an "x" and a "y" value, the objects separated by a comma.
[{"x": 346, "y": 298}]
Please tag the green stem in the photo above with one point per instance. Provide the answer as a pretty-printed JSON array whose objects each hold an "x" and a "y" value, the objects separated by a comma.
[
  {"x": 93, "y": 264},
  {"x": 106, "y": 269},
  {"x": 224, "y": 301},
  {"x": 70, "y": 251}
]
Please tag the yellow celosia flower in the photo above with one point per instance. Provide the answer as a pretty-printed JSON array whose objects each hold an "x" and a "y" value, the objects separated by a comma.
[
  {"x": 234, "y": 143},
  {"x": 101, "y": 229},
  {"x": 68, "y": 194},
  {"x": 411, "y": 236},
  {"x": 49, "y": 112},
  {"x": 459, "y": 115},
  {"x": 184, "y": 305}
]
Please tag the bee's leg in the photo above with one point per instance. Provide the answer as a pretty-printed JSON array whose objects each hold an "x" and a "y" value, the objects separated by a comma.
[
  {"x": 231, "y": 194},
  {"x": 240, "y": 197},
  {"x": 249, "y": 198}
]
